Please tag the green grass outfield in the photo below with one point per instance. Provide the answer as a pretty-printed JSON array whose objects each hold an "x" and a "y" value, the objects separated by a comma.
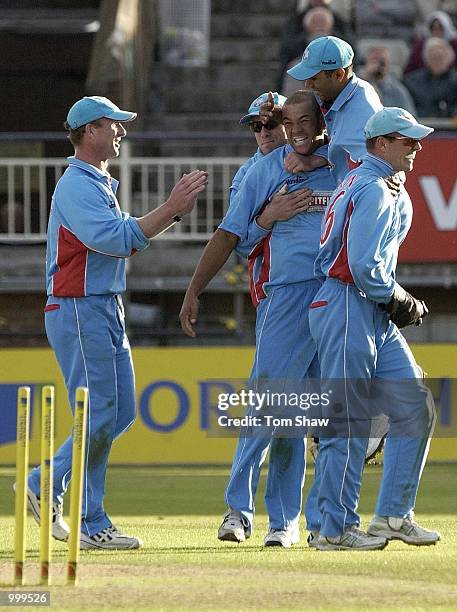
[{"x": 176, "y": 511}]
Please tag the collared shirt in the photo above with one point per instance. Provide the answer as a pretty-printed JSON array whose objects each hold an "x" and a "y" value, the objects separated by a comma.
[
  {"x": 345, "y": 120},
  {"x": 88, "y": 235},
  {"x": 286, "y": 254},
  {"x": 363, "y": 228},
  {"x": 241, "y": 172}
]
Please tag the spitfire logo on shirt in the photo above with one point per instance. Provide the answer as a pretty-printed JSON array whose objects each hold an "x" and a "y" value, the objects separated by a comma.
[{"x": 319, "y": 201}]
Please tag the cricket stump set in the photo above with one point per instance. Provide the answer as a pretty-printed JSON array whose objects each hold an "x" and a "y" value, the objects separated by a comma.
[{"x": 46, "y": 484}]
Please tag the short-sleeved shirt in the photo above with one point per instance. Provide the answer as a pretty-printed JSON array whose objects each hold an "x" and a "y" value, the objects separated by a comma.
[
  {"x": 286, "y": 254},
  {"x": 345, "y": 121}
]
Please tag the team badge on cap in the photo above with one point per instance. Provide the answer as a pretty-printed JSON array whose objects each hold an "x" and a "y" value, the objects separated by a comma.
[
  {"x": 254, "y": 108},
  {"x": 324, "y": 53}
]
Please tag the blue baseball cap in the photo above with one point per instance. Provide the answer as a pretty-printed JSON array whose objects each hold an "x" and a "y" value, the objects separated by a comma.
[
  {"x": 324, "y": 53},
  {"x": 254, "y": 108},
  {"x": 91, "y": 108},
  {"x": 393, "y": 119}
]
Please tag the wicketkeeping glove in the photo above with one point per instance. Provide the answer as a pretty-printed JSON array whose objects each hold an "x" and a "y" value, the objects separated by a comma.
[{"x": 404, "y": 309}]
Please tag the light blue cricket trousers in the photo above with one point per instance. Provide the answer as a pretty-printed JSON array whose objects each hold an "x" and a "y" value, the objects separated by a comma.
[
  {"x": 88, "y": 337},
  {"x": 356, "y": 341},
  {"x": 285, "y": 354}
]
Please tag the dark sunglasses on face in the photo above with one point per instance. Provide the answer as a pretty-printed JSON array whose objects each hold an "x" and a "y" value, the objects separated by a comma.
[
  {"x": 409, "y": 142},
  {"x": 256, "y": 126}
]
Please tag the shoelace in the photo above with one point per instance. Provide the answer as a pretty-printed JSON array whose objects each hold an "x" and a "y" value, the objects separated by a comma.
[
  {"x": 57, "y": 511},
  {"x": 410, "y": 525},
  {"x": 234, "y": 518},
  {"x": 357, "y": 530}
]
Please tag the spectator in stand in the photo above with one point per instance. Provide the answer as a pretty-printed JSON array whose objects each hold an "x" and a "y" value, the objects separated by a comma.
[
  {"x": 448, "y": 6},
  {"x": 385, "y": 18},
  {"x": 305, "y": 25},
  {"x": 390, "y": 89},
  {"x": 317, "y": 22},
  {"x": 438, "y": 24},
  {"x": 434, "y": 87}
]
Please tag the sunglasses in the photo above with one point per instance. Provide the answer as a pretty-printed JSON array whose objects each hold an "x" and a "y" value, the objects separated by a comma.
[
  {"x": 256, "y": 126},
  {"x": 409, "y": 142}
]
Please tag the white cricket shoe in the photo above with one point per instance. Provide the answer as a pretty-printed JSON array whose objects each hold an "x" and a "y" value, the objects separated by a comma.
[
  {"x": 283, "y": 537},
  {"x": 352, "y": 539},
  {"x": 109, "y": 539},
  {"x": 405, "y": 529},
  {"x": 312, "y": 539},
  {"x": 60, "y": 529},
  {"x": 234, "y": 528}
]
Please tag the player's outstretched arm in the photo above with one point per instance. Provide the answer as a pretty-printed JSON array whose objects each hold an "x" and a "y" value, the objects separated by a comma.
[
  {"x": 180, "y": 202},
  {"x": 216, "y": 253}
]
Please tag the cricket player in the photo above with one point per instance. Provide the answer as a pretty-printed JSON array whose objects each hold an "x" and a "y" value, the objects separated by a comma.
[
  {"x": 346, "y": 102},
  {"x": 269, "y": 136},
  {"x": 89, "y": 240},
  {"x": 355, "y": 320},
  {"x": 279, "y": 234}
]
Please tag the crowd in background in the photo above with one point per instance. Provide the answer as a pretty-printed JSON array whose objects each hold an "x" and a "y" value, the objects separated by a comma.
[{"x": 407, "y": 49}]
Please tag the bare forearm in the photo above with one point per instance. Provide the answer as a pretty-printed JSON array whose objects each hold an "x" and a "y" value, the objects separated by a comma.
[
  {"x": 295, "y": 162},
  {"x": 216, "y": 253},
  {"x": 318, "y": 161},
  {"x": 157, "y": 220},
  {"x": 180, "y": 202},
  {"x": 314, "y": 161}
]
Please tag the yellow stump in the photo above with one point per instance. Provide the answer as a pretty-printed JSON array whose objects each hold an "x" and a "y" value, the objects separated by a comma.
[
  {"x": 46, "y": 483},
  {"x": 77, "y": 469},
  {"x": 22, "y": 465}
]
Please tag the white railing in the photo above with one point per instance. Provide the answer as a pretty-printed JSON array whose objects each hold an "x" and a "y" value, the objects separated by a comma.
[{"x": 27, "y": 184}]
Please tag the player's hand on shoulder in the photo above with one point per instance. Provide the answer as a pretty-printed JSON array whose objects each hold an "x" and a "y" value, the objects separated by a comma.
[
  {"x": 295, "y": 163},
  {"x": 189, "y": 314},
  {"x": 394, "y": 183},
  {"x": 284, "y": 206},
  {"x": 184, "y": 194}
]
